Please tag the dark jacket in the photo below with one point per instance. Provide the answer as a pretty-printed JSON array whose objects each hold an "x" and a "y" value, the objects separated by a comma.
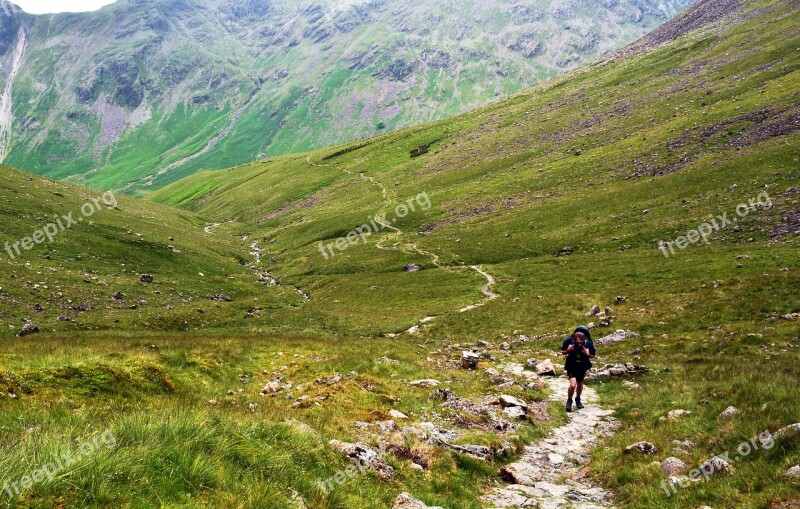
[{"x": 576, "y": 359}]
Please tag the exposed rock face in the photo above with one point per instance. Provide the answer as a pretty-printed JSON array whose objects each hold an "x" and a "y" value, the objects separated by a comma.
[{"x": 701, "y": 13}]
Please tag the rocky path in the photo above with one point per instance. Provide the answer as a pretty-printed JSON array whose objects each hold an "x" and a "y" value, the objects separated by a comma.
[{"x": 549, "y": 475}]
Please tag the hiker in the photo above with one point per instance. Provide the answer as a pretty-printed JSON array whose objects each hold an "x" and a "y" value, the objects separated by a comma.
[{"x": 578, "y": 349}]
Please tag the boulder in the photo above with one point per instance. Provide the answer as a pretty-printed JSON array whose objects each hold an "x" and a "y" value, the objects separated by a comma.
[
  {"x": 620, "y": 300},
  {"x": 28, "y": 329},
  {"x": 406, "y": 501},
  {"x": 469, "y": 360},
  {"x": 729, "y": 412},
  {"x": 477, "y": 451},
  {"x": 717, "y": 466},
  {"x": 642, "y": 448},
  {"x": 412, "y": 267},
  {"x": 364, "y": 456},
  {"x": 593, "y": 312},
  {"x": 677, "y": 414},
  {"x": 428, "y": 383},
  {"x": 395, "y": 414},
  {"x": 617, "y": 370},
  {"x": 673, "y": 466},
  {"x": 386, "y": 427},
  {"x": 515, "y": 413},
  {"x": 146, "y": 278},
  {"x": 505, "y": 346},
  {"x": 271, "y": 388},
  {"x": 507, "y": 401},
  {"x": 546, "y": 368},
  {"x": 617, "y": 337}
]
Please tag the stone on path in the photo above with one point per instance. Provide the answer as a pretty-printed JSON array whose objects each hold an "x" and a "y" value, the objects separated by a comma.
[{"x": 546, "y": 368}]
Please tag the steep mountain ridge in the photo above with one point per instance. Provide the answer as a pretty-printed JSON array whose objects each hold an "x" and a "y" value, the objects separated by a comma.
[{"x": 222, "y": 82}]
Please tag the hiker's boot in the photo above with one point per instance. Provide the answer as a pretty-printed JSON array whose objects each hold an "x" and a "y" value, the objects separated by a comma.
[
  {"x": 578, "y": 403},
  {"x": 569, "y": 405}
]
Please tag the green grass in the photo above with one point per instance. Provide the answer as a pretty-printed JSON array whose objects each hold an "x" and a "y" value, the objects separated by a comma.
[{"x": 609, "y": 160}]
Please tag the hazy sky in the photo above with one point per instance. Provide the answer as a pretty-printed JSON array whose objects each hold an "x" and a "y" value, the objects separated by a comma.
[{"x": 46, "y": 6}]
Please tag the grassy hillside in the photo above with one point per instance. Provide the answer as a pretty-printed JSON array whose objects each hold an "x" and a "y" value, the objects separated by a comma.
[{"x": 525, "y": 214}]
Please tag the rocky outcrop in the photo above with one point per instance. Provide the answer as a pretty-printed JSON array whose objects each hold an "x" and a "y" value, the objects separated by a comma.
[
  {"x": 617, "y": 370},
  {"x": 617, "y": 337},
  {"x": 364, "y": 456}
]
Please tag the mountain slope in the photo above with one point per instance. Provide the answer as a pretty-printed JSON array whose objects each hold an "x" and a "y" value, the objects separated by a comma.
[
  {"x": 140, "y": 94},
  {"x": 541, "y": 207}
]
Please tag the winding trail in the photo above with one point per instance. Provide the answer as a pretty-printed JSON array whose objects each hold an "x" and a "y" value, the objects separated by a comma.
[
  {"x": 409, "y": 248},
  {"x": 549, "y": 474},
  {"x": 6, "y": 108}
]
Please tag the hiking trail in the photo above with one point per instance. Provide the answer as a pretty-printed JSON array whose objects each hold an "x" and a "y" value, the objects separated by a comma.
[
  {"x": 412, "y": 247},
  {"x": 549, "y": 474}
]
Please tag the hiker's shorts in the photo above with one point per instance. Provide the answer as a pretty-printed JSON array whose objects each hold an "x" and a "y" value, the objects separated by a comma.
[{"x": 577, "y": 374}]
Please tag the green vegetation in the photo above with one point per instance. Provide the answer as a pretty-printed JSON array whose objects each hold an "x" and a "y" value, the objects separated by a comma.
[
  {"x": 607, "y": 161},
  {"x": 163, "y": 80}
]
